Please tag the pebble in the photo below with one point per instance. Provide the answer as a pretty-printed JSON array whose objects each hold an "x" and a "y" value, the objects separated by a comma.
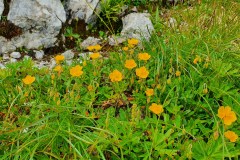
[
  {"x": 15, "y": 55},
  {"x": 5, "y": 57},
  {"x": 39, "y": 54},
  {"x": 13, "y": 60},
  {"x": 68, "y": 55}
]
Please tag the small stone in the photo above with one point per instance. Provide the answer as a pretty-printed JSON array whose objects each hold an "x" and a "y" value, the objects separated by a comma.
[
  {"x": 39, "y": 54},
  {"x": 13, "y": 60},
  {"x": 6, "y": 57},
  {"x": 114, "y": 41},
  {"x": 15, "y": 55},
  {"x": 68, "y": 55},
  {"x": 52, "y": 63}
]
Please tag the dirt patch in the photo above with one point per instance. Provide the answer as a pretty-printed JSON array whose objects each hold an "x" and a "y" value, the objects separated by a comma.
[{"x": 9, "y": 30}]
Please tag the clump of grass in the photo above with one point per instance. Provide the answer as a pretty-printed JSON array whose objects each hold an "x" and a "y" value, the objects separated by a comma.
[{"x": 161, "y": 101}]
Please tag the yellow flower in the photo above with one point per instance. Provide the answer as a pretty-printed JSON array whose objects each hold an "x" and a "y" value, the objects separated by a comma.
[
  {"x": 227, "y": 115},
  {"x": 232, "y": 136},
  {"x": 97, "y": 47},
  {"x": 133, "y": 41},
  {"x": 130, "y": 64},
  {"x": 28, "y": 80},
  {"x": 94, "y": 48},
  {"x": 95, "y": 55},
  {"x": 116, "y": 76},
  {"x": 76, "y": 71},
  {"x": 90, "y": 48},
  {"x": 155, "y": 108},
  {"x": 143, "y": 56},
  {"x": 58, "y": 68},
  {"x": 142, "y": 72},
  {"x": 149, "y": 92},
  {"x": 197, "y": 59},
  {"x": 125, "y": 48},
  {"x": 59, "y": 58},
  {"x": 178, "y": 73}
]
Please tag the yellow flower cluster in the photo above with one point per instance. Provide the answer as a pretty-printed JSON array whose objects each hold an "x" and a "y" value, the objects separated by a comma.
[
  {"x": 94, "y": 48},
  {"x": 228, "y": 117}
]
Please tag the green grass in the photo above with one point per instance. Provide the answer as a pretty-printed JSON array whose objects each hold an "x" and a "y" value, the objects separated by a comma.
[{"x": 90, "y": 117}]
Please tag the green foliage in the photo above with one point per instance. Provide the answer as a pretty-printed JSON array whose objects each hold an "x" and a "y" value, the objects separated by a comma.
[{"x": 193, "y": 70}]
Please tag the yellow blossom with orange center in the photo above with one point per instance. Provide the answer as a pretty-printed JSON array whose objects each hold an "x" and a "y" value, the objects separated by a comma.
[
  {"x": 130, "y": 64},
  {"x": 76, "y": 71},
  {"x": 227, "y": 115},
  {"x": 95, "y": 55},
  {"x": 156, "y": 108},
  {"x": 178, "y": 73},
  {"x": 28, "y": 80},
  {"x": 133, "y": 41},
  {"x": 149, "y": 92},
  {"x": 232, "y": 136},
  {"x": 59, "y": 58},
  {"x": 116, "y": 76},
  {"x": 142, "y": 72},
  {"x": 144, "y": 56}
]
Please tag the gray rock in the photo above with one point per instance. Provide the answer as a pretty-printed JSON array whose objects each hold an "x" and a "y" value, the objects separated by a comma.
[
  {"x": 86, "y": 10},
  {"x": 15, "y": 55},
  {"x": 13, "y": 60},
  {"x": 39, "y": 54},
  {"x": 6, "y": 57},
  {"x": 68, "y": 54},
  {"x": 40, "y": 20},
  {"x": 52, "y": 63},
  {"x": 90, "y": 41},
  {"x": 113, "y": 40},
  {"x": 1, "y": 8},
  {"x": 137, "y": 25},
  {"x": 6, "y": 46}
]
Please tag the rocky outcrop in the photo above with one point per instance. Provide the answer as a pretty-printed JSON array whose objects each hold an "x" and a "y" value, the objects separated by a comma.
[
  {"x": 86, "y": 10},
  {"x": 137, "y": 25},
  {"x": 40, "y": 20}
]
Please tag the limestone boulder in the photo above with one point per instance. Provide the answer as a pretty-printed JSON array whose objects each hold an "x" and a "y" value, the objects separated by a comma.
[
  {"x": 40, "y": 21},
  {"x": 86, "y": 10}
]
